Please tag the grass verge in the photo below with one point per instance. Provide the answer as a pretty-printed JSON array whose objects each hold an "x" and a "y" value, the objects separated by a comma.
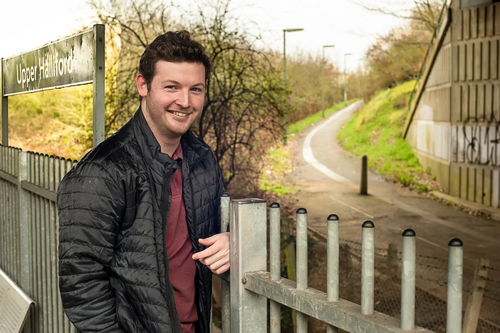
[{"x": 376, "y": 131}]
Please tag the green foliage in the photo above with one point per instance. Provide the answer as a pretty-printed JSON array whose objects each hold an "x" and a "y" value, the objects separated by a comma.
[
  {"x": 277, "y": 164},
  {"x": 308, "y": 121},
  {"x": 376, "y": 131},
  {"x": 52, "y": 122}
]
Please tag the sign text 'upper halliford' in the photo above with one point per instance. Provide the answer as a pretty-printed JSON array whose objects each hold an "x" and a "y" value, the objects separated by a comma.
[{"x": 68, "y": 62}]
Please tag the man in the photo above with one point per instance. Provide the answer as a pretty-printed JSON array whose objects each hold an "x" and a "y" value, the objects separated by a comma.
[{"x": 140, "y": 213}]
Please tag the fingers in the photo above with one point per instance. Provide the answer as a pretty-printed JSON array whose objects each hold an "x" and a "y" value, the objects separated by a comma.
[
  {"x": 216, "y": 266},
  {"x": 216, "y": 256},
  {"x": 210, "y": 240},
  {"x": 208, "y": 252}
]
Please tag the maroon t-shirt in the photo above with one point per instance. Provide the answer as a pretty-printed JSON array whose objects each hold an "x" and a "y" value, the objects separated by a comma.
[{"x": 180, "y": 250}]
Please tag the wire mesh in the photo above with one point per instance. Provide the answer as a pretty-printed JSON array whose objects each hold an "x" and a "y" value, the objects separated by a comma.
[{"x": 431, "y": 287}]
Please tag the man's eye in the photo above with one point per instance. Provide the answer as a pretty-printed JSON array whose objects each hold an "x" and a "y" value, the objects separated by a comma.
[
  {"x": 170, "y": 87},
  {"x": 196, "y": 89}
]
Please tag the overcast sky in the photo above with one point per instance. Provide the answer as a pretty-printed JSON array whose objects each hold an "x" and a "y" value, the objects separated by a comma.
[{"x": 28, "y": 24}]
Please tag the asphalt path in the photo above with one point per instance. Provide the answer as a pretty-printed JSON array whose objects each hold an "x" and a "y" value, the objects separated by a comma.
[{"x": 328, "y": 180}]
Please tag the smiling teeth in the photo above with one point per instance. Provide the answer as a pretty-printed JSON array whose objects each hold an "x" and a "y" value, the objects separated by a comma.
[{"x": 179, "y": 114}]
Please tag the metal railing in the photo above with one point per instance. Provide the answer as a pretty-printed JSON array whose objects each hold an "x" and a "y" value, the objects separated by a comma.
[
  {"x": 28, "y": 254},
  {"x": 29, "y": 229},
  {"x": 251, "y": 284}
]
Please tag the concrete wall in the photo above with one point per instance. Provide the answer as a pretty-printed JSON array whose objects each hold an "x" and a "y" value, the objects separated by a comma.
[
  {"x": 475, "y": 104},
  {"x": 430, "y": 131},
  {"x": 456, "y": 127}
]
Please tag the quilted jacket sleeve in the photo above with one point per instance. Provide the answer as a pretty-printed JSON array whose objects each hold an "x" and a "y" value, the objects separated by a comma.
[{"x": 91, "y": 205}]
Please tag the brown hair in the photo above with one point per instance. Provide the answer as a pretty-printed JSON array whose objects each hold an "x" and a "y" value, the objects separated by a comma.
[{"x": 172, "y": 46}]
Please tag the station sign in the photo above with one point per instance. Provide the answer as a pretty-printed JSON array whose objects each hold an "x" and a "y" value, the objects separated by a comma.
[{"x": 63, "y": 63}]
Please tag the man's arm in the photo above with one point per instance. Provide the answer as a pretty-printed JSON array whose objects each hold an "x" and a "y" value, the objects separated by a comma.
[{"x": 90, "y": 205}]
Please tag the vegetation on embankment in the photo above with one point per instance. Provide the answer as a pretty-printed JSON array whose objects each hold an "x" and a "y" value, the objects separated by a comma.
[
  {"x": 376, "y": 131},
  {"x": 278, "y": 159}
]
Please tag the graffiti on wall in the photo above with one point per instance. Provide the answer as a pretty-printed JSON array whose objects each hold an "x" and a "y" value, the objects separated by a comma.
[{"x": 478, "y": 142}]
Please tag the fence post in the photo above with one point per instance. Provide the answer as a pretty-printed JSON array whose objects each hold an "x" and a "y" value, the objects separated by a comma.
[
  {"x": 476, "y": 298},
  {"x": 225, "y": 287},
  {"x": 332, "y": 265},
  {"x": 455, "y": 274},
  {"x": 291, "y": 272},
  {"x": 274, "y": 262},
  {"x": 408, "y": 264},
  {"x": 248, "y": 249},
  {"x": 301, "y": 263},
  {"x": 367, "y": 267},
  {"x": 24, "y": 229}
]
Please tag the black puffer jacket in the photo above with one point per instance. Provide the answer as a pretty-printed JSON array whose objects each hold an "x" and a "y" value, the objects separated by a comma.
[{"x": 113, "y": 268}]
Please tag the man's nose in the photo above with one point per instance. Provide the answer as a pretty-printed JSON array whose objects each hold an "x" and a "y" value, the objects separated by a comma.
[{"x": 183, "y": 99}]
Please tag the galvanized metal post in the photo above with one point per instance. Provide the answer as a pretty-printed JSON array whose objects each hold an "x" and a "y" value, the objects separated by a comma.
[
  {"x": 364, "y": 175},
  {"x": 332, "y": 265},
  {"x": 455, "y": 275},
  {"x": 301, "y": 263},
  {"x": 4, "y": 106},
  {"x": 99, "y": 84},
  {"x": 24, "y": 229},
  {"x": 248, "y": 253},
  {"x": 408, "y": 263},
  {"x": 367, "y": 267},
  {"x": 225, "y": 286},
  {"x": 274, "y": 262}
]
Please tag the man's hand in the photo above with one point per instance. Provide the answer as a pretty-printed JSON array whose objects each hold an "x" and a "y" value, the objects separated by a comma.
[{"x": 216, "y": 256}]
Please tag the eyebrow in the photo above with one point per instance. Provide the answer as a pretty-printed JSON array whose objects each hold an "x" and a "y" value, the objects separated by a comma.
[{"x": 175, "y": 82}]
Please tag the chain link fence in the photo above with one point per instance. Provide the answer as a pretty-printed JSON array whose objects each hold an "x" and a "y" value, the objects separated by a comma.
[{"x": 431, "y": 286}]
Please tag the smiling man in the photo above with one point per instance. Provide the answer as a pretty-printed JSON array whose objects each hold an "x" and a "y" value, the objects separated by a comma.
[{"x": 140, "y": 214}]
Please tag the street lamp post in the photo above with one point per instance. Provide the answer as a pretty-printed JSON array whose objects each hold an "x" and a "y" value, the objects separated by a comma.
[
  {"x": 323, "y": 83},
  {"x": 345, "y": 79},
  {"x": 284, "y": 81}
]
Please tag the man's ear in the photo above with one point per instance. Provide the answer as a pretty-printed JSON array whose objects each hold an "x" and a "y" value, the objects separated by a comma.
[{"x": 142, "y": 85}]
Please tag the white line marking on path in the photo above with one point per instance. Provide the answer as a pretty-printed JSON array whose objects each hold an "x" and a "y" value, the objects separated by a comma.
[
  {"x": 308, "y": 154},
  {"x": 352, "y": 207}
]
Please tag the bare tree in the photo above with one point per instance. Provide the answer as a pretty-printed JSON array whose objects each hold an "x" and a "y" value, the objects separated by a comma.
[
  {"x": 427, "y": 12},
  {"x": 243, "y": 104}
]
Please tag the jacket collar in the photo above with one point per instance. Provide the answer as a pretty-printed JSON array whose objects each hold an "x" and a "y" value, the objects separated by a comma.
[{"x": 193, "y": 148}]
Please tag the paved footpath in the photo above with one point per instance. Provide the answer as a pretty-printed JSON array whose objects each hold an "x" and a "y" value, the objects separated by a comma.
[{"x": 328, "y": 180}]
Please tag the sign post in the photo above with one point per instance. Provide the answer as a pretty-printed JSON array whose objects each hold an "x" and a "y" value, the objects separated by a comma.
[
  {"x": 5, "y": 110},
  {"x": 72, "y": 61}
]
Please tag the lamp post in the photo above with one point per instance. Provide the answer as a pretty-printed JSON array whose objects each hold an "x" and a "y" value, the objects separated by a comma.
[
  {"x": 323, "y": 83},
  {"x": 284, "y": 81},
  {"x": 345, "y": 79}
]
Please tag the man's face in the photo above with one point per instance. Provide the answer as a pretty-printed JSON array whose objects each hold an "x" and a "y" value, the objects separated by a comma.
[{"x": 175, "y": 98}]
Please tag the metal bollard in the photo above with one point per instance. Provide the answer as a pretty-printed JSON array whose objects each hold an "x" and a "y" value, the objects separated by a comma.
[
  {"x": 367, "y": 267},
  {"x": 408, "y": 263},
  {"x": 455, "y": 275},
  {"x": 364, "y": 175},
  {"x": 225, "y": 286},
  {"x": 301, "y": 263},
  {"x": 274, "y": 261},
  {"x": 332, "y": 273}
]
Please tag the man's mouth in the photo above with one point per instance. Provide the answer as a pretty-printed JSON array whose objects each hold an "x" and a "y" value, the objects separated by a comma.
[{"x": 180, "y": 114}]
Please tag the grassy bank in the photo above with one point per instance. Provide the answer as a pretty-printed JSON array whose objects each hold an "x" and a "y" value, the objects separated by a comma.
[
  {"x": 278, "y": 159},
  {"x": 376, "y": 131}
]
